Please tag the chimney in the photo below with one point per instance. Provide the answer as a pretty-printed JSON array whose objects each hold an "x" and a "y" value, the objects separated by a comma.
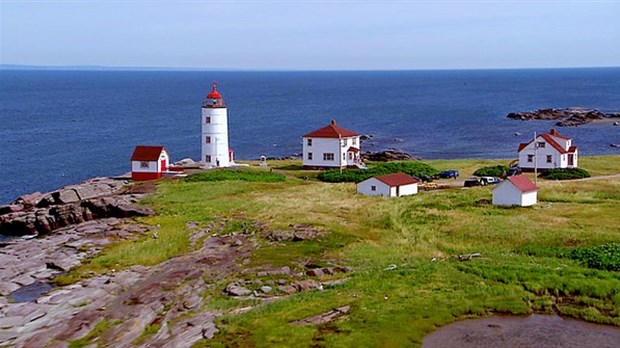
[
  {"x": 553, "y": 132},
  {"x": 333, "y": 122}
]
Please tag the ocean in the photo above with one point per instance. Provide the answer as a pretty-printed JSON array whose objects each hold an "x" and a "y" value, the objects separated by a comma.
[{"x": 62, "y": 127}]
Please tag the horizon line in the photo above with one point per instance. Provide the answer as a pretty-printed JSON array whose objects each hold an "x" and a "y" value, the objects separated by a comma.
[{"x": 5, "y": 66}]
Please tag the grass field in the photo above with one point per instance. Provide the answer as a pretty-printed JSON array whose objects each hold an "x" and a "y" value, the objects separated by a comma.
[{"x": 523, "y": 268}]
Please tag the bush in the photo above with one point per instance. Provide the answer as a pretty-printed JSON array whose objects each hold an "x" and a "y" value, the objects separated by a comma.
[
  {"x": 357, "y": 175},
  {"x": 231, "y": 174},
  {"x": 605, "y": 257},
  {"x": 565, "y": 174},
  {"x": 498, "y": 170}
]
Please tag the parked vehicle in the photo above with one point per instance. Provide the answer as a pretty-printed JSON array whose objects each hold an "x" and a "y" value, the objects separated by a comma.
[
  {"x": 447, "y": 174},
  {"x": 423, "y": 178},
  {"x": 473, "y": 181},
  {"x": 490, "y": 180},
  {"x": 513, "y": 171}
]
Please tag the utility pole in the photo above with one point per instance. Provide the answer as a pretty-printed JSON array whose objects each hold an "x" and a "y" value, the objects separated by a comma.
[{"x": 535, "y": 160}]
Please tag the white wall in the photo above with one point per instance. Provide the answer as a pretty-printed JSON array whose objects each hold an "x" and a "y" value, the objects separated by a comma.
[
  {"x": 365, "y": 188},
  {"x": 218, "y": 131},
  {"x": 529, "y": 198},
  {"x": 330, "y": 145},
  {"x": 410, "y": 189},
  {"x": 153, "y": 167}
]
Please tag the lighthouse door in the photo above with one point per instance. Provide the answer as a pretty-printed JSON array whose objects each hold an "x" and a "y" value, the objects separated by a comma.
[{"x": 163, "y": 164}]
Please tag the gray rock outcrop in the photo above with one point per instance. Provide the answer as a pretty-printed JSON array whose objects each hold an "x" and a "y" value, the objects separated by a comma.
[
  {"x": 570, "y": 117},
  {"x": 93, "y": 199}
]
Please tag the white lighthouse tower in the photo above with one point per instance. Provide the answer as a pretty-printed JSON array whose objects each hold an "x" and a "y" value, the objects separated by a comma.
[{"x": 215, "y": 150}]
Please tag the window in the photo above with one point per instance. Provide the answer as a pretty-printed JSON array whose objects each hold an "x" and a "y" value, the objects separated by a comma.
[
  {"x": 530, "y": 158},
  {"x": 309, "y": 142},
  {"x": 208, "y": 159},
  {"x": 343, "y": 142},
  {"x": 328, "y": 157},
  {"x": 208, "y": 119},
  {"x": 144, "y": 164},
  {"x": 208, "y": 140},
  {"x": 309, "y": 156},
  {"x": 350, "y": 155},
  {"x": 549, "y": 158},
  {"x": 354, "y": 141},
  {"x": 541, "y": 144},
  {"x": 373, "y": 188},
  {"x": 344, "y": 156}
]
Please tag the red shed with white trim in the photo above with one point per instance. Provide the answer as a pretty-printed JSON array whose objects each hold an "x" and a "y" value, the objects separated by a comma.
[{"x": 149, "y": 162}]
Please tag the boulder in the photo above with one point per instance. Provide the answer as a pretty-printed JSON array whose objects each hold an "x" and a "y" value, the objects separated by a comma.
[
  {"x": 570, "y": 117},
  {"x": 235, "y": 290}
]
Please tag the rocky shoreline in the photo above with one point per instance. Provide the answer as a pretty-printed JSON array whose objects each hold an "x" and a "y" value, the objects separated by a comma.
[
  {"x": 169, "y": 296},
  {"x": 570, "y": 117}
]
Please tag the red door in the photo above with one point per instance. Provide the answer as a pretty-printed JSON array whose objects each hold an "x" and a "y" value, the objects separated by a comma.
[{"x": 163, "y": 164}]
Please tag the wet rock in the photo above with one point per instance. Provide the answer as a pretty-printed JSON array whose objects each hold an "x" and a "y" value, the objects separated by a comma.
[{"x": 6, "y": 288}]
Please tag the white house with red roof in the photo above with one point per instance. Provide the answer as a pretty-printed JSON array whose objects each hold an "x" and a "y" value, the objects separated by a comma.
[
  {"x": 390, "y": 185},
  {"x": 516, "y": 190},
  {"x": 331, "y": 147},
  {"x": 149, "y": 162},
  {"x": 548, "y": 151},
  {"x": 215, "y": 150}
]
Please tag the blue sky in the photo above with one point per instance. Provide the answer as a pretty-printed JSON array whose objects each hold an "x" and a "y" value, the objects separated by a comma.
[{"x": 314, "y": 35}]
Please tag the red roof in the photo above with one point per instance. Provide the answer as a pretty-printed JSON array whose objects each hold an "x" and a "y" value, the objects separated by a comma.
[
  {"x": 147, "y": 153},
  {"x": 572, "y": 149},
  {"x": 353, "y": 149},
  {"x": 396, "y": 179},
  {"x": 331, "y": 131},
  {"x": 214, "y": 93},
  {"x": 549, "y": 140},
  {"x": 523, "y": 183}
]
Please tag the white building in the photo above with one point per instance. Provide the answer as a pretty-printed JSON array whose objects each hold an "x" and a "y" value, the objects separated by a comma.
[
  {"x": 391, "y": 185},
  {"x": 547, "y": 151},
  {"x": 215, "y": 150},
  {"x": 149, "y": 162},
  {"x": 516, "y": 190},
  {"x": 331, "y": 147}
]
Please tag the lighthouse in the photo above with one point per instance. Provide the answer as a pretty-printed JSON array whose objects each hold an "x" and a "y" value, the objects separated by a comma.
[{"x": 215, "y": 150}]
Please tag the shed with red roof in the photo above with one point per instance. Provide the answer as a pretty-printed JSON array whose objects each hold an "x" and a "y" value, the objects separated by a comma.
[
  {"x": 331, "y": 147},
  {"x": 516, "y": 190},
  {"x": 149, "y": 162},
  {"x": 390, "y": 185},
  {"x": 548, "y": 151}
]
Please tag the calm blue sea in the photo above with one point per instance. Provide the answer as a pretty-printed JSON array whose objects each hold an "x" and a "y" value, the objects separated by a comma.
[{"x": 61, "y": 127}]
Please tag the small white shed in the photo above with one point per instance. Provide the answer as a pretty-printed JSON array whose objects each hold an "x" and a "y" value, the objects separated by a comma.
[
  {"x": 516, "y": 190},
  {"x": 391, "y": 185}
]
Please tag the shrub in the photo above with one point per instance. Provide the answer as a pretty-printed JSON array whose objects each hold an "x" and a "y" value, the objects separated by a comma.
[
  {"x": 565, "y": 174},
  {"x": 357, "y": 175},
  {"x": 231, "y": 174},
  {"x": 497, "y": 170},
  {"x": 605, "y": 257}
]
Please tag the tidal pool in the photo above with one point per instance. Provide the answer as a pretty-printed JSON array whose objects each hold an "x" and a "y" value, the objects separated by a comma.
[{"x": 532, "y": 331}]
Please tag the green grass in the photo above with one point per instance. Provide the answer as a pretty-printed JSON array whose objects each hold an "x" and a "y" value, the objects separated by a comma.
[{"x": 524, "y": 265}]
